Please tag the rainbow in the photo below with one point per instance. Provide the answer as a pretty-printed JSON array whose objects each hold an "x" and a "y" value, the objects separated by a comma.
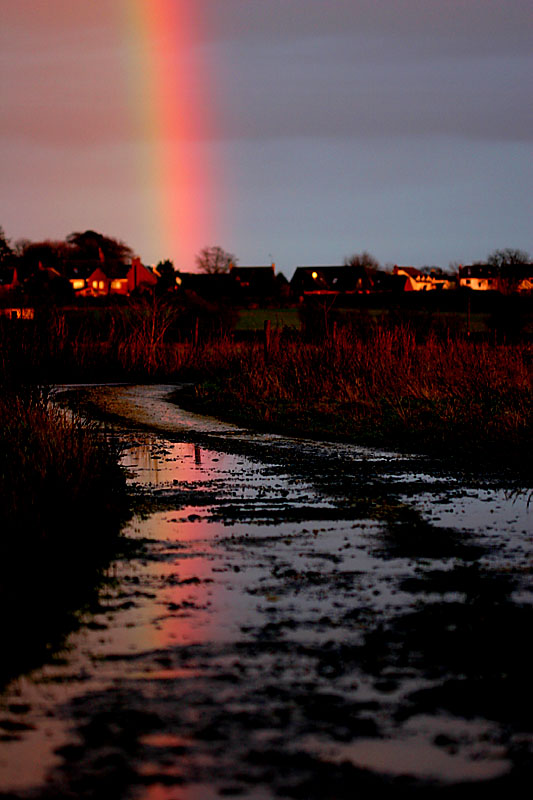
[{"x": 171, "y": 109}]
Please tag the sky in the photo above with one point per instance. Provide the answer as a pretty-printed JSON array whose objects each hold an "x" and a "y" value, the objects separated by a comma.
[{"x": 290, "y": 131}]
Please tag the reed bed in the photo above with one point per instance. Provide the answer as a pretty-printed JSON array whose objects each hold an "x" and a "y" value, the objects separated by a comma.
[
  {"x": 388, "y": 387},
  {"x": 385, "y": 383}
]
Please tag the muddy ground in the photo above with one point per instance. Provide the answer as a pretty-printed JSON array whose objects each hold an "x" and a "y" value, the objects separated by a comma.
[{"x": 294, "y": 619}]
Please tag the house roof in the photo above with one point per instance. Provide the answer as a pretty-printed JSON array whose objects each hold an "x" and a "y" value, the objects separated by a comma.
[
  {"x": 413, "y": 272},
  {"x": 8, "y": 275},
  {"x": 328, "y": 278},
  {"x": 478, "y": 271},
  {"x": 252, "y": 270},
  {"x": 254, "y": 278},
  {"x": 99, "y": 275},
  {"x": 207, "y": 284}
]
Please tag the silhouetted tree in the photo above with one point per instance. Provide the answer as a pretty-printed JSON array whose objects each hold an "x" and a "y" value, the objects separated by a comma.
[
  {"x": 508, "y": 256},
  {"x": 363, "y": 259},
  {"x": 47, "y": 254},
  {"x": 92, "y": 247},
  {"x": 214, "y": 260},
  {"x": 507, "y": 262},
  {"x": 6, "y": 253},
  {"x": 20, "y": 245},
  {"x": 167, "y": 273}
]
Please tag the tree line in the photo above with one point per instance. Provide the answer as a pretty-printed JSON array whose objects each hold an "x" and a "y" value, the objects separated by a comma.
[{"x": 89, "y": 249}]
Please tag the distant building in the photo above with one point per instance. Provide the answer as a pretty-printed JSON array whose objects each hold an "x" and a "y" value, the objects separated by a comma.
[
  {"x": 479, "y": 278},
  {"x": 329, "y": 280},
  {"x": 9, "y": 280},
  {"x": 208, "y": 286},
  {"x": 23, "y": 312},
  {"x": 257, "y": 285},
  {"x": 418, "y": 281},
  {"x": 244, "y": 286},
  {"x": 525, "y": 283},
  {"x": 119, "y": 280},
  {"x": 343, "y": 281}
]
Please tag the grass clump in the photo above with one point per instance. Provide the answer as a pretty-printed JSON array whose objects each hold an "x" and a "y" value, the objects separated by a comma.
[{"x": 56, "y": 473}]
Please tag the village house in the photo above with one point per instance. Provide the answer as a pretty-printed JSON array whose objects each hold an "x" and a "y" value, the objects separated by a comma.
[
  {"x": 22, "y": 312},
  {"x": 242, "y": 286},
  {"x": 208, "y": 286},
  {"x": 121, "y": 280},
  {"x": 417, "y": 280},
  {"x": 255, "y": 285},
  {"x": 329, "y": 280},
  {"x": 516, "y": 278},
  {"x": 525, "y": 278},
  {"x": 343, "y": 281},
  {"x": 479, "y": 278}
]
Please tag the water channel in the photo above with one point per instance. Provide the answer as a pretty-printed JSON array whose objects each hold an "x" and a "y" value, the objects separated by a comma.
[{"x": 296, "y": 619}]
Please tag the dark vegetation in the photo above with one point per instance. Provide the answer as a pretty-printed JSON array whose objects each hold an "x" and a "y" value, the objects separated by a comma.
[
  {"x": 413, "y": 379},
  {"x": 465, "y": 399},
  {"x": 62, "y": 500}
]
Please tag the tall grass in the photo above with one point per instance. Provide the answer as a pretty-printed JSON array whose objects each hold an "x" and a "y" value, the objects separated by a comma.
[
  {"x": 61, "y": 503},
  {"x": 386, "y": 382},
  {"x": 388, "y": 387},
  {"x": 58, "y": 477}
]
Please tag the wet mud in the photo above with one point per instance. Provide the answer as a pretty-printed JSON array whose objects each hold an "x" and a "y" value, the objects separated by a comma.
[{"x": 293, "y": 619}]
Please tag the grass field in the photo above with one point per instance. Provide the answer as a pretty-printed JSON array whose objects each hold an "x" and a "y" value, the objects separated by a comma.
[
  {"x": 477, "y": 322},
  {"x": 253, "y": 319}
]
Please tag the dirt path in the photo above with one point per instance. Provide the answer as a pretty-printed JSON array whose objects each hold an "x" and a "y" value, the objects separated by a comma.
[{"x": 297, "y": 620}]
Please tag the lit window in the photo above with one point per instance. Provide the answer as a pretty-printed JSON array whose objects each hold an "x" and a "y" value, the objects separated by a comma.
[
  {"x": 95, "y": 284},
  {"x": 314, "y": 275},
  {"x": 100, "y": 284}
]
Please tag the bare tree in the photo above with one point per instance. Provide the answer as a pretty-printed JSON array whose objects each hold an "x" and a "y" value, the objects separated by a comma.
[
  {"x": 214, "y": 260},
  {"x": 507, "y": 264},
  {"x": 363, "y": 259},
  {"x": 507, "y": 256},
  {"x": 5, "y": 248}
]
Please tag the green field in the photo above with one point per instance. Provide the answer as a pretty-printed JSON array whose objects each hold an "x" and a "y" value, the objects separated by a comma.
[{"x": 253, "y": 319}]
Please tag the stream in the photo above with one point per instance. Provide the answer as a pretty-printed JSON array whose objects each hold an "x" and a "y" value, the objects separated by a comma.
[{"x": 293, "y": 619}]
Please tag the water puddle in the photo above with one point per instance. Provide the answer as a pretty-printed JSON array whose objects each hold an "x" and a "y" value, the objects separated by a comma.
[{"x": 284, "y": 627}]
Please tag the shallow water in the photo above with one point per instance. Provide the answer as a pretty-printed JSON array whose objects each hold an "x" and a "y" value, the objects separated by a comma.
[{"x": 299, "y": 619}]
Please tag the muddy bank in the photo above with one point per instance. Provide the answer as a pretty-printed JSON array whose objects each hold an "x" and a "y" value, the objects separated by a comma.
[{"x": 297, "y": 620}]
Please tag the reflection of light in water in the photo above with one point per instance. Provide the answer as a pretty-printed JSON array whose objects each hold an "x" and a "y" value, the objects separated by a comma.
[
  {"x": 179, "y": 568},
  {"x": 183, "y": 462},
  {"x": 195, "y": 791},
  {"x": 182, "y": 546}
]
